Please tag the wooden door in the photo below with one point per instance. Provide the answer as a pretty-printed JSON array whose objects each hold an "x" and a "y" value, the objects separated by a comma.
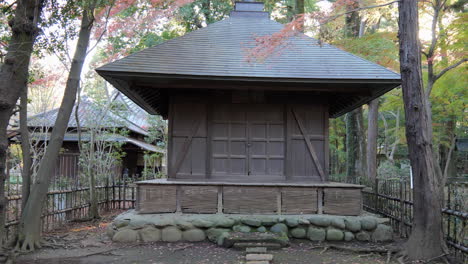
[{"x": 248, "y": 142}]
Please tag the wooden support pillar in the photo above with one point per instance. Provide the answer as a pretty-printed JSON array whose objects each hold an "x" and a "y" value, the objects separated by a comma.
[
  {"x": 320, "y": 201},
  {"x": 178, "y": 199},
  {"x": 278, "y": 200},
  {"x": 220, "y": 199}
]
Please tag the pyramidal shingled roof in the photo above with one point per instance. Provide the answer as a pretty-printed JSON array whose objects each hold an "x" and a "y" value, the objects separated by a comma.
[
  {"x": 217, "y": 57},
  {"x": 220, "y": 49}
]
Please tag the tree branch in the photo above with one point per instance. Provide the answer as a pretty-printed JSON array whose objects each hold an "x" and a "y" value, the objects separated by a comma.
[
  {"x": 444, "y": 71},
  {"x": 358, "y": 9}
]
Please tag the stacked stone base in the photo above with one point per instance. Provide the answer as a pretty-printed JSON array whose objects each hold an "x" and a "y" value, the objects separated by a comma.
[{"x": 218, "y": 228}]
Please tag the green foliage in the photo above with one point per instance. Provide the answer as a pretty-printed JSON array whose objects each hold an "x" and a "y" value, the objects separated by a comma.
[
  {"x": 157, "y": 131},
  {"x": 201, "y": 13},
  {"x": 381, "y": 48}
]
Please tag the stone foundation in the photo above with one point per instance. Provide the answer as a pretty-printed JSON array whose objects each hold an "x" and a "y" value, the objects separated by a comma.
[{"x": 132, "y": 227}]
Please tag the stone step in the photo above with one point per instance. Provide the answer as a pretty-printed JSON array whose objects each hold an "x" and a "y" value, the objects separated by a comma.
[
  {"x": 255, "y": 239},
  {"x": 242, "y": 245},
  {"x": 258, "y": 262},
  {"x": 259, "y": 257},
  {"x": 256, "y": 250}
]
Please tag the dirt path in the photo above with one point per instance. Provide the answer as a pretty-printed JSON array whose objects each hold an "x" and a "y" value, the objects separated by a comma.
[{"x": 199, "y": 253}]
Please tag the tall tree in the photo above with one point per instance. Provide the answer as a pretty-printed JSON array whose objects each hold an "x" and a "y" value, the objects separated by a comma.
[
  {"x": 30, "y": 223},
  {"x": 426, "y": 240},
  {"x": 355, "y": 139},
  {"x": 14, "y": 77}
]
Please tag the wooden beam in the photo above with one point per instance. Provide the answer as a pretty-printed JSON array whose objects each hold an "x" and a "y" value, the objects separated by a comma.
[{"x": 312, "y": 152}]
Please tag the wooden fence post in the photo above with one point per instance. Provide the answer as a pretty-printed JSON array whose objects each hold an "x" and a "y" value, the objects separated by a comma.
[
  {"x": 402, "y": 206},
  {"x": 376, "y": 195}
]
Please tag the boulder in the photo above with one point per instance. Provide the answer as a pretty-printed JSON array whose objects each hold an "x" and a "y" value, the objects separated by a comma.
[
  {"x": 363, "y": 236},
  {"x": 193, "y": 235},
  {"x": 337, "y": 222},
  {"x": 110, "y": 231},
  {"x": 368, "y": 223},
  {"x": 292, "y": 222},
  {"x": 348, "y": 236},
  {"x": 241, "y": 228},
  {"x": 268, "y": 222},
  {"x": 171, "y": 234},
  {"x": 334, "y": 234},
  {"x": 184, "y": 225},
  {"x": 382, "y": 233},
  {"x": 298, "y": 232},
  {"x": 316, "y": 234},
  {"x": 203, "y": 223},
  {"x": 214, "y": 233},
  {"x": 150, "y": 234},
  {"x": 320, "y": 220},
  {"x": 261, "y": 229},
  {"x": 304, "y": 222},
  {"x": 121, "y": 223},
  {"x": 225, "y": 222},
  {"x": 353, "y": 224},
  {"x": 279, "y": 229},
  {"x": 252, "y": 222},
  {"x": 221, "y": 239},
  {"x": 125, "y": 236}
]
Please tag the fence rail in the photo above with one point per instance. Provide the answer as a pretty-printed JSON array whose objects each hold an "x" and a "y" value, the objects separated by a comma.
[
  {"x": 393, "y": 198},
  {"x": 67, "y": 205}
]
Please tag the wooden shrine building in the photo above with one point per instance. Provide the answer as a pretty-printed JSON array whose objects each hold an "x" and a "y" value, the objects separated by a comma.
[{"x": 247, "y": 135}]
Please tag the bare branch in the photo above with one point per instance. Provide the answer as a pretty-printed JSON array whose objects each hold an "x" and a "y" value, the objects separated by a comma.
[
  {"x": 357, "y": 10},
  {"x": 444, "y": 71}
]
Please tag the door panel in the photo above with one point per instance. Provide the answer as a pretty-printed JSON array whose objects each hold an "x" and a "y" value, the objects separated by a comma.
[{"x": 248, "y": 141}]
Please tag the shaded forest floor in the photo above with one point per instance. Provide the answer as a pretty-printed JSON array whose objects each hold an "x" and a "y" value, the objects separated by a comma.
[{"x": 88, "y": 243}]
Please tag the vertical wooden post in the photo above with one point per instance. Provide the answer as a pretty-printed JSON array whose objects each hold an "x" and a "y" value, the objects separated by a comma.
[
  {"x": 319, "y": 200},
  {"x": 178, "y": 198},
  {"x": 278, "y": 200},
  {"x": 113, "y": 194},
  {"x": 220, "y": 200},
  {"x": 402, "y": 211},
  {"x": 124, "y": 194},
  {"x": 376, "y": 195}
]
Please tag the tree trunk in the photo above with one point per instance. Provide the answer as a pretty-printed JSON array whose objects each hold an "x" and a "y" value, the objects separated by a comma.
[
  {"x": 30, "y": 222},
  {"x": 426, "y": 239},
  {"x": 301, "y": 11},
  {"x": 25, "y": 148},
  {"x": 355, "y": 146},
  {"x": 352, "y": 21},
  {"x": 13, "y": 77},
  {"x": 93, "y": 206},
  {"x": 372, "y": 133}
]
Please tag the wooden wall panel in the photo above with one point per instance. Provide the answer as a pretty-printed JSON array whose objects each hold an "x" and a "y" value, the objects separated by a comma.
[
  {"x": 199, "y": 199},
  {"x": 298, "y": 200},
  {"x": 188, "y": 124},
  {"x": 312, "y": 117},
  {"x": 249, "y": 200},
  {"x": 341, "y": 201},
  {"x": 157, "y": 199}
]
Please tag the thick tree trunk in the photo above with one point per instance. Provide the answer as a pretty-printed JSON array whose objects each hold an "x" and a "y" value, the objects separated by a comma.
[
  {"x": 25, "y": 148},
  {"x": 426, "y": 239},
  {"x": 30, "y": 223},
  {"x": 13, "y": 77},
  {"x": 372, "y": 132}
]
